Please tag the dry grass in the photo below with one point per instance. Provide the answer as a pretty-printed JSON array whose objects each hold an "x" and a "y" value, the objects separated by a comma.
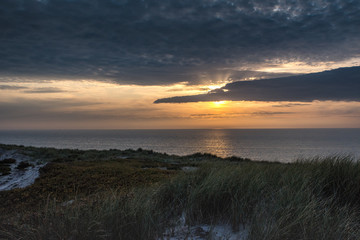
[{"x": 118, "y": 199}]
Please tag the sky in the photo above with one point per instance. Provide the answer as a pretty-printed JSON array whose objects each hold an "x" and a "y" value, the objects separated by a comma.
[{"x": 169, "y": 64}]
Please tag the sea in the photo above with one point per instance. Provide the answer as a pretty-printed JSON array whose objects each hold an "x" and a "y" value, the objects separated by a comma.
[{"x": 283, "y": 145}]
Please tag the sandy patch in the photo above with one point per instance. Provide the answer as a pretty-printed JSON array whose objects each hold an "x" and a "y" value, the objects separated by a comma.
[{"x": 19, "y": 178}]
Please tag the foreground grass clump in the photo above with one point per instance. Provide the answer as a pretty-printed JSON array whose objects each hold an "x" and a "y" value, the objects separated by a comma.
[
  {"x": 311, "y": 199},
  {"x": 5, "y": 168},
  {"x": 64, "y": 181},
  {"x": 315, "y": 199}
]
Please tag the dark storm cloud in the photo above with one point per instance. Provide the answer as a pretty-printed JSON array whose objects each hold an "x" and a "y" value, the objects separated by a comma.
[
  {"x": 291, "y": 105},
  {"x": 168, "y": 41},
  {"x": 11, "y": 87},
  {"x": 23, "y": 108},
  {"x": 45, "y": 90},
  {"x": 266, "y": 113},
  {"x": 338, "y": 85},
  {"x": 62, "y": 109}
]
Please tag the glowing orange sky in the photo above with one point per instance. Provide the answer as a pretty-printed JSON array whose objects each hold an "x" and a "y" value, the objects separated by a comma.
[{"x": 89, "y": 104}]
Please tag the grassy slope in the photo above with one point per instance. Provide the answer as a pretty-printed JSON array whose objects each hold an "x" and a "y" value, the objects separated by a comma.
[
  {"x": 69, "y": 180},
  {"x": 317, "y": 199}
]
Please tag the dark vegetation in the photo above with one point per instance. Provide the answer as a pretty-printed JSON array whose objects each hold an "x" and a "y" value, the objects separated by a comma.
[
  {"x": 8, "y": 161},
  {"x": 24, "y": 165},
  {"x": 139, "y": 194},
  {"x": 5, "y": 168}
]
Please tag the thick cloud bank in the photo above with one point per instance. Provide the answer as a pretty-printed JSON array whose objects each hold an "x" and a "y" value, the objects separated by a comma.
[
  {"x": 337, "y": 85},
  {"x": 164, "y": 42}
]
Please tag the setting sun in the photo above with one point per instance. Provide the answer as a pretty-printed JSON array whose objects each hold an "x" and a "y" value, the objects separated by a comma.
[{"x": 218, "y": 103}]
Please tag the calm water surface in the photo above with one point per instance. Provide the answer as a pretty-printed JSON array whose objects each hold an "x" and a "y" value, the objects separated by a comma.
[{"x": 284, "y": 145}]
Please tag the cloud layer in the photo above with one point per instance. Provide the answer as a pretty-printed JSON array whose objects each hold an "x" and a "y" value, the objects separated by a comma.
[
  {"x": 163, "y": 42},
  {"x": 337, "y": 85}
]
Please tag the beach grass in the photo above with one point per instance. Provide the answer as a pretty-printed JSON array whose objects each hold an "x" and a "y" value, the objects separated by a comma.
[{"x": 133, "y": 198}]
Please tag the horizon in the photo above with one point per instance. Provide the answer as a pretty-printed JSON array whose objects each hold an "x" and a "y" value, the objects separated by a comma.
[
  {"x": 175, "y": 129},
  {"x": 116, "y": 64}
]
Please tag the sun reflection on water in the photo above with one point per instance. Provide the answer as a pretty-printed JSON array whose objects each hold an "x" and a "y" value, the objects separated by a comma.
[{"x": 217, "y": 142}]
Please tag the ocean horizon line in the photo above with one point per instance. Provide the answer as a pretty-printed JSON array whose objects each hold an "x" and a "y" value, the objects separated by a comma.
[{"x": 161, "y": 129}]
